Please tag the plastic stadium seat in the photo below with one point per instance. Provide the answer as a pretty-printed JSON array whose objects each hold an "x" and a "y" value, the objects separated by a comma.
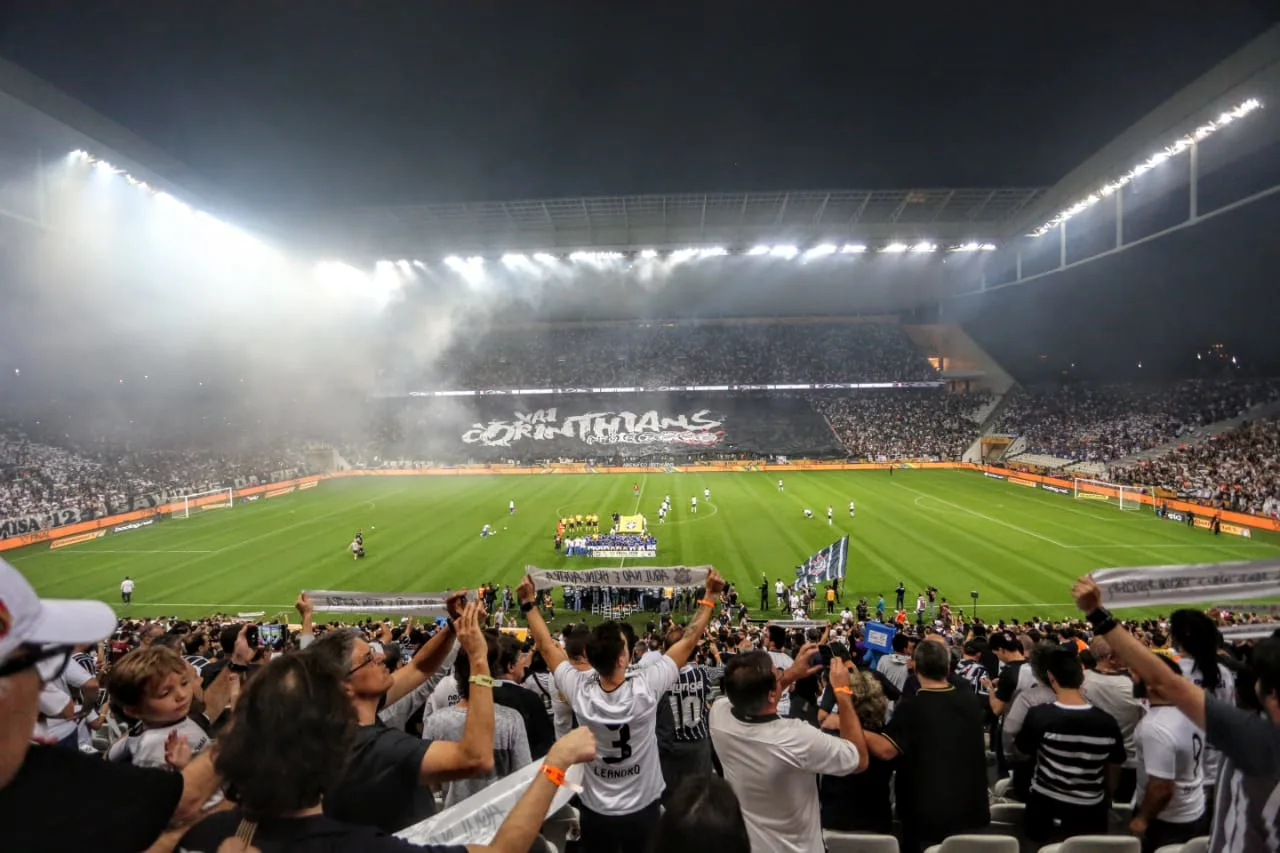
[
  {"x": 1170, "y": 848},
  {"x": 555, "y": 829},
  {"x": 1197, "y": 845},
  {"x": 859, "y": 842},
  {"x": 1095, "y": 844},
  {"x": 1013, "y": 814},
  {"x": 1002, "y": 787},
  {"x": 976, "y": 844}
]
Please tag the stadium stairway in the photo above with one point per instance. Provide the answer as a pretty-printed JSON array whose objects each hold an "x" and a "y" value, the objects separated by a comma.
[{"x": 987, "y": 420}]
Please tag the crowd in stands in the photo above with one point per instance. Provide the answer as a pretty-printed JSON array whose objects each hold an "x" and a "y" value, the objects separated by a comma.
[
  {"x": 231, "y": 737},
  {"x": 1101, "y": 423},
  {"x": 1238, "y": 470},
  {"x": 38, "y": 478},
  {"x": 683, "y": 354},
  {"x": 905, "y": 424}
]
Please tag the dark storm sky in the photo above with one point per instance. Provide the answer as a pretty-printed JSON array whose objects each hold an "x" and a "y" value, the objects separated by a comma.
[{"x": 300, "y": 102}]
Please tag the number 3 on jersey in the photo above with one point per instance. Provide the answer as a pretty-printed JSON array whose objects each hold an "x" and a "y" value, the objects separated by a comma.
[{"x": 621, "y": 743}]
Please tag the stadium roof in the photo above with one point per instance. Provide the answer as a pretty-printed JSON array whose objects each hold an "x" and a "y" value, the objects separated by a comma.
[{"x": 669, "y": 221}]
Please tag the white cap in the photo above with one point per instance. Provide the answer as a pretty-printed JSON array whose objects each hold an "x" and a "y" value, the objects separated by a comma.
[{"x": 26, "y": 618}]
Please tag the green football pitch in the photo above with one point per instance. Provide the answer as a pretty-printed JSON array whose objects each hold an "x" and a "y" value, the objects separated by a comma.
[{"x": 1018, "y": 547}]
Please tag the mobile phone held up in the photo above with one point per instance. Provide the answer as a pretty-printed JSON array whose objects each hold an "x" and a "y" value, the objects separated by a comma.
[{"x": 822, "y": 658}]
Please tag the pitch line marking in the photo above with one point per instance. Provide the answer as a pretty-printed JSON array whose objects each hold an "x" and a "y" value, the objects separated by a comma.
[
  {"x": 84, "y": 551},
  {"x": 990, "y": 518}
]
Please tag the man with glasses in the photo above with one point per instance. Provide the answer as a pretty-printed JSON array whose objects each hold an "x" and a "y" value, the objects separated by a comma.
[{"x": 120, "y": 807}]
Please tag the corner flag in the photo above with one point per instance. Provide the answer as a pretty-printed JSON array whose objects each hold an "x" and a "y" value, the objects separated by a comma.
[{"x": 828, "y": 564}]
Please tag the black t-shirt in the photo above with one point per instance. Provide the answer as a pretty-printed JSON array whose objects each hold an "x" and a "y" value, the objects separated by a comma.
[
  {"x": 1007, "y": 685},
  {"x": 314, "y": 834},
  {"x": 62, "y": 800},
  {"x": 940, "y": 732},
  {"x": 538, "y": 726},
  {"x": 380, "y": 787},
  {"x": 858, "y": 802}
]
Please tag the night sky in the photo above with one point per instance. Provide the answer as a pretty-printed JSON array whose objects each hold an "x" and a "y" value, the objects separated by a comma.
[
  {"x": 296, "y": 104},
  {"x": 299, "y": 102}
]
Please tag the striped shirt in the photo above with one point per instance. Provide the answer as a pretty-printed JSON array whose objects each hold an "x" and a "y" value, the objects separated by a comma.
[
  {"x": 1072, "y": 745},
  {"x": 688, "y": 700}
]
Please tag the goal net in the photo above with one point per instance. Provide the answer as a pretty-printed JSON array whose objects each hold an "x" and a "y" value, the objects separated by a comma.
[
  {"x": 1129, "y": 498},
  {"x": 200, "y": 501}
]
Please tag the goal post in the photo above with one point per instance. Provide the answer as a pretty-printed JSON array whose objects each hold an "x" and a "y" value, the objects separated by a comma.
[
  {"x": 1128, "y": 498},
  {"x": 200, "y": 501}
]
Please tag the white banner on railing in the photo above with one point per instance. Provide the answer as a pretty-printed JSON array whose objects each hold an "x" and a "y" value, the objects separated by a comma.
[
  {"x": 793, "y": 624},
  {"x": 1248, "y": 607},
  {"x": 1256, "y": 631},
  {"x": 677, "y": 576},
  {"x": 406, "y": 603},
  {"x": 1145, "y": 586},
  {"x": 476, "y": 819}
]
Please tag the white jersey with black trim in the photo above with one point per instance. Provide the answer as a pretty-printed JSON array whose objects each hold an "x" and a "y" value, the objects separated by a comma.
[
  {"x": 783, "y": 661},
  {"x": 626, "y": 776}
]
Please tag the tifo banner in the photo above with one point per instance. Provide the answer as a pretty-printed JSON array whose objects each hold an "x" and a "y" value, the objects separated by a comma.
[
  {"x": 670, "y": 425},
  {"x": 1152, "y": 585},
  {"x": 407, "y": 603},
  {"x": 828, "y": 564},
  {"x": 631, "y": 524},
  {"x": 685, "y": 577},
  {"x": 476, "y": 819},
  {"x": 797, "y": 624},
  {"x": 615, "y": 554}
]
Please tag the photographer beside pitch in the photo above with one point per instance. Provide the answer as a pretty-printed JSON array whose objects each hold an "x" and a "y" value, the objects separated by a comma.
[{"x": 621, "y": 788}]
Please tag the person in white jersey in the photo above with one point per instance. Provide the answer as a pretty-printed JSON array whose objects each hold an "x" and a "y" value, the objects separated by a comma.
[
  {"x": 779, "y": 485},
  {"x": 126, "y": 589},
  {"x": 830, "y": 511},
  {"x": 852, "y": 508},
  {"x": 621, "y": 789},
  {"x": 694, "y": 504},
  {"x": 775, "y": 638},
  {"x": 706, "y": 494},
  {"x": 1169, "y": 805},
  {"x": 511, "y": 508}
]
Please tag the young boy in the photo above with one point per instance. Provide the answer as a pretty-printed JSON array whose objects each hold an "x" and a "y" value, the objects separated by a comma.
[{"x": 152, "y": 687}]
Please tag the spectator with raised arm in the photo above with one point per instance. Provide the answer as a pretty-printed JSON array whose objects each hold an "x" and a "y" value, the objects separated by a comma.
[
  {"x": 1249, "y": 775},
  {"x": 619, "y": 802},
  {"x": 386, "y": 779}
]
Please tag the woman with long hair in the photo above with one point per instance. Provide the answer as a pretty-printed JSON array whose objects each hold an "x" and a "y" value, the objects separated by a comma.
[
  {"x": 1196, "y": 640},
  {"x": 859, "y": 802}
]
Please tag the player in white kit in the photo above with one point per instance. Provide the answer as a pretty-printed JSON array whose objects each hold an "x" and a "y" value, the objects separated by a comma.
[
  {"x": 851, "y": 509},
  {"x": 706, "y": 494},
  {"x": 829, "y": 511},
  {"x": 619, "y": 802},
  {"x": 694, "y": 505},
  {"x": 779, "y": 485},
  {"x": 126, "y": 590},
  {"x": 511, "y": 508}
]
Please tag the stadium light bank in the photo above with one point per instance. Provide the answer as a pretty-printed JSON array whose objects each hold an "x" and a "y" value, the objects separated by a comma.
[
  {"x": 471, "y": 268},
  {"x": 1179, "y": 146}
]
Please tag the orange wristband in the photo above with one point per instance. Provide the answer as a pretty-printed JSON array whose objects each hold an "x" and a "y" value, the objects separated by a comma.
[
  {"x": 555, "y": 774},
  {"x": 848, "y": 691},
  {"x": 710, "y": 604}
]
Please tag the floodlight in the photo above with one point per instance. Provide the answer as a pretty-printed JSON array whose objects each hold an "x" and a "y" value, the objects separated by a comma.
[
  {"x": 1178, "y": 146},
  {"x": 713, "y": 252},
  {"x": 924, "y": 248},
  {"x": 852, "y": 249},
  {"x": 513, "y": 259},
  {"x": 679, "y": 256},
  {"x": 787, "y": 252},
  {"x": 544, "y": 258},
  {"x": 895, "y": 248},
  {"x": 820, "y": 251},
  {"x": 649, "y": 253},
  {"x": 759, "y": 250},
  {"x": 973, "y": 247}
]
